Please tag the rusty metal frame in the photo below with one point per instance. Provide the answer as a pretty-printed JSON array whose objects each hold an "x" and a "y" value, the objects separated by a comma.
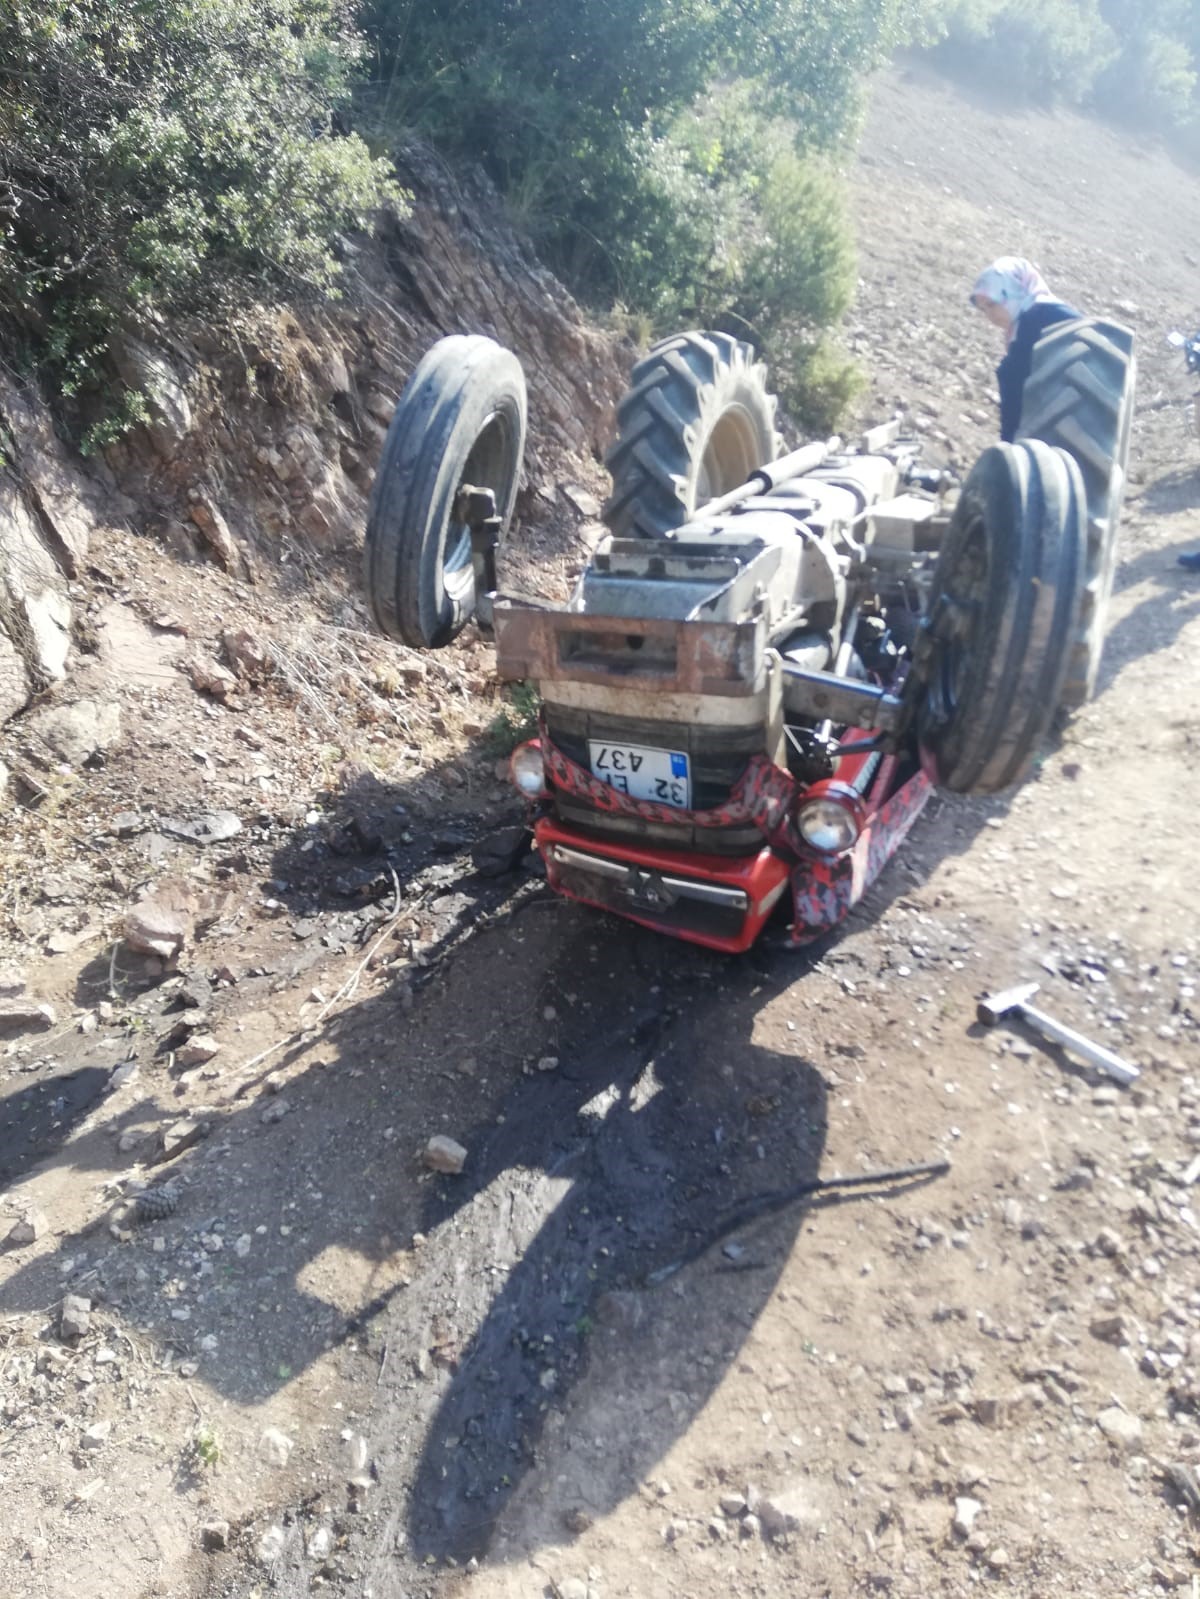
[{"x": 663, "y": 655}]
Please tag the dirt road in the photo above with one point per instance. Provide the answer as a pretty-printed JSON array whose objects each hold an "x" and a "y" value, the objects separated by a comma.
[{"x": 613, "y": 1356}]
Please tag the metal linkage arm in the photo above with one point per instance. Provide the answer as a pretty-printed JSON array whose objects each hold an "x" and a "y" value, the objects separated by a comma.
[{"x": 824, "y": 696}]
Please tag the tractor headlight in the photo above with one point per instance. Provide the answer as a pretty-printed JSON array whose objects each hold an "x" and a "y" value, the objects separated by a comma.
[
  {"x": 528, "y": 769},
  {"x": 830, "y": 821}
]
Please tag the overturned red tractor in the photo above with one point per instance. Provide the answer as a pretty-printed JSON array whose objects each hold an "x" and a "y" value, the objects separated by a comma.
[{"x": 774, "y": 658}]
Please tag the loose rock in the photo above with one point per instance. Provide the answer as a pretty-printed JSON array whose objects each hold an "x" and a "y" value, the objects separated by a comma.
[
  {"x": 444, "y": 1155},
  {"x": 215, "y": 531},
  {"x": 198, "y": 1051},
  {"x": 788, "y": 1510},
  {"x": 75, "y": 1316},
  {"x": 501, "y": 852},
  {"x": 76, "y": 733},
  {"x": 12, "y": 981},
  {"x": 27, "y": 1229},
  {"x": 25, "y": 1015},
  {"x": 271, "y": 1545},
  {"x": 965, "y": 1512},
  {"x": 246, "y": 654},
  {"x": 161, "y": 922},
  {"x": 1119, "y": 1427},
  {"x": 214, "y": 828},
  {"x": 1110, "y": 1329},
  {"x": 182, "y": 1135},
  {"x": 210, "y": 677},
  {"x": 320, "y": 1544},
  {"x": 274, "y": 1447}
]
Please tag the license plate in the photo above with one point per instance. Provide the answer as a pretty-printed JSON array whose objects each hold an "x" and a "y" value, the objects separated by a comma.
[{"x": 645, "y": 774}]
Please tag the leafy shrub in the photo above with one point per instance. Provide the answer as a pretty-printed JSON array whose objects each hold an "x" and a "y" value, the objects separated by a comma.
[
  {"x": 1153, "y": 78},
  {"x": 159, "y": 156},
  {"x": 516, "y": 720},
  {"x": 1040, "y": 50},
  {"x": 641, "y": 185},
  {"x": 1130, "y": 60},
  {"x": 730, "y": 227}
]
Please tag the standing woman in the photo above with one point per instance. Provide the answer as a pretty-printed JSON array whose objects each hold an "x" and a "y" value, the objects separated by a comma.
[{"x": 1013, "y": 294}]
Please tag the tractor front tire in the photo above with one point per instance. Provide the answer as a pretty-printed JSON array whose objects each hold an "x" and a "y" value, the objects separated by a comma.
[
  {"x": 697, "y": 421},
  {"x": 460, "y": 420},
  {"x": 1003, "y": 615},
  {"x": 1079, "y": 398}
]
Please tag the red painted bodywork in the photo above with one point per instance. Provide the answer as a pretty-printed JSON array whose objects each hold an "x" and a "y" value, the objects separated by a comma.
[
  {"x": 760, "y": 877},
  {"x": 824, "y": 889}
]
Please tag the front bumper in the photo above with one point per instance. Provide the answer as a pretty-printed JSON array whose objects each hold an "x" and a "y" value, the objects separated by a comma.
[
  {"x": 712, "y": 900},
  {"x": 721, "y": 902}
]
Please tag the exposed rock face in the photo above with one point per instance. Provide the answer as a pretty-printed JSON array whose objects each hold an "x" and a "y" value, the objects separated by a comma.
[
  {"x": 151, "y": 372},
  {"x": 66, "y": 503},
  {"x": 35, "y": 613},
  {"x": 48, "y": 507},
  {"x": 466, "y": 271},
  {"x": 275, "y": 433}
]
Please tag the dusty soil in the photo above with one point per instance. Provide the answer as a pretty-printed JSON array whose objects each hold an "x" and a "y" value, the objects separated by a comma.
[{"x": 563, "y": 1371}]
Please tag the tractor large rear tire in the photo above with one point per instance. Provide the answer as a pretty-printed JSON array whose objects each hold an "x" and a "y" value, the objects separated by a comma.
[
  {"x": 1003, "y": 616},
  {"x": 697, "y": 421},
  {"x": 1079, "y": 398},
  {"x": 460, "y": 420}
]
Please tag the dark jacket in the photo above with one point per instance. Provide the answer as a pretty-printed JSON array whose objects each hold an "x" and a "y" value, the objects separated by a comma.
[{"x": 1014, "y": 369}]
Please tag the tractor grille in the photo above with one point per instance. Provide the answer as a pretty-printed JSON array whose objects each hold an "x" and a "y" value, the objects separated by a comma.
[{"x": 717, "y": 757}]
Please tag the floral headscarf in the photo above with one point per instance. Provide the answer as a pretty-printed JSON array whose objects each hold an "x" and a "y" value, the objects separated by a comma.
[{"x": 1013, "y": 282}]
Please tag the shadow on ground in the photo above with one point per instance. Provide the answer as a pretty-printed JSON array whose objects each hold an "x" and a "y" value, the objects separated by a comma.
[
  {"x": 36, "y": 1118},
  {"x": 615, "y": 1106}
]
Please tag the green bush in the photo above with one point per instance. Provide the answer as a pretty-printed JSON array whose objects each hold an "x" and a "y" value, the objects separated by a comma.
[
  {"x": 639, "y": 183},
  {"x": 817, "y": 382},
  {"x": 730, "y": 227},
  {"x": 1133, "y": 61},
  {"x": 164, "y": 156},
  {"x": 1153, "y": 79},
  {"x": 1038, "y": 50}
]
